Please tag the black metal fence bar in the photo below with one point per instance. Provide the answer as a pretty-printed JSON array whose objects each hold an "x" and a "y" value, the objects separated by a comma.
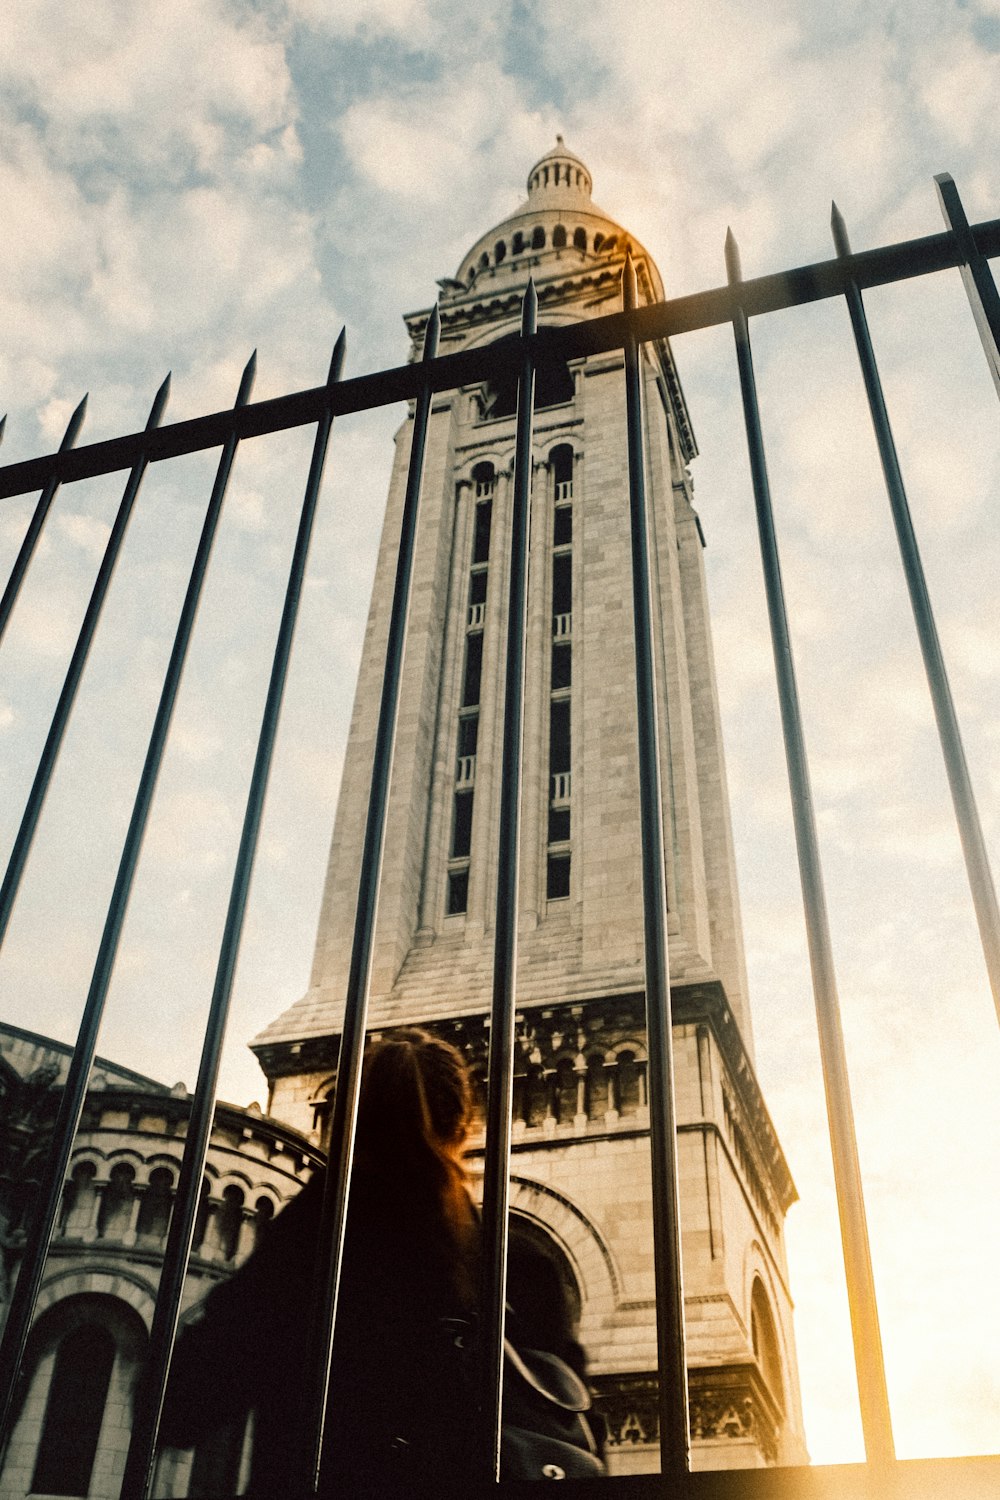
[
  {"x": 980, "y": 288},
  {"x": 763, "y": 294},
  {"x": 872, "y": 1392},
  {"x": 75, "y": 1087},
  {"x": 671, "y": 1361},
  {"x": 961, "y": 246},
  {"x": 152, "y": 1387},
  {"x": 496, "y": 1184},
  {"x": 967, "y": 815},
  {"x": 50, "y": 484},
  {"x": 333, "y": 1217},
  {"x": 74, "y": 672}
]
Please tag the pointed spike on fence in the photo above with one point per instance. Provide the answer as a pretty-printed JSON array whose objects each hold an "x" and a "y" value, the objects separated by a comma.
[
  {"x": 3, "y": 426},
  {"x": 73, "y": 426},
  {"x": 337, "y": 357},
  {"x": 630, "y": 284},
  {"x": 432, "y": 332},
  {"x": 529, "y": 307},
  {"x": 159, "y": 402},
  {"x": 247, "y": 380},
  {"x": 839, "y": 228},
  {"x": 734, "y": 270}
]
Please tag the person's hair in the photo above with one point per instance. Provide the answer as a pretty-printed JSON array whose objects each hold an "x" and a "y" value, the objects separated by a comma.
[{"x": 414, "y": 1111}]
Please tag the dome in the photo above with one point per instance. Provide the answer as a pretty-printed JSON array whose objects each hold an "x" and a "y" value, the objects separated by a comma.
[
  {"x": 558, "y": 177},
  {"x": 558, "y": 222}
]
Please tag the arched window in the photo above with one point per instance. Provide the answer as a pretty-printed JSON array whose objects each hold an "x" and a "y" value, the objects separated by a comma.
[
  {"x": 499, "y": 251},
  {"x": 201, "y": 1221},
  {"x": 116, "y": 1203},
  {"x": 74, "y": 1412},
  {"x": 765, "y": 1341},
  {"x": 230, "y": 1219},
  {"x": 538, "y": 238},
  {"x": 597, "y": 1087},
  {"x": 609, "y": 244},
  {"x": 631, "y": 1083},
  {"x": 78, "y": 1197},
  {"x": 561, "y": 459},
  {"x": 540, "y": 1281},
  {"x": 484, "y": 261},
  {"x": 154, "y": 1214},
  {"x": 559, "y": 238},
  {"x": 579, "y": 239},
  {"x": 517, "y": 244},
  {"x": 598, "y": 241},
  {"x": 566, "y": 1091},
  {"x": 265, "y": 1216}
]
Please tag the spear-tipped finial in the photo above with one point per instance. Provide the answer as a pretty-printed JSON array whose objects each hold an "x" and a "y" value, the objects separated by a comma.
[
  {"x": 630, "y": 284},
  {"x": 529, "y": 307},
  {"x": 247, "y": 380},
  {"x": 73, "y": 426},
  {"x": 842, "y": 244},
  {"x": 159, "y": 402},
  {"x": 337, "y": 357},
  {"x": 432, "y": 332},
  {"x": 734, "y": 271}
]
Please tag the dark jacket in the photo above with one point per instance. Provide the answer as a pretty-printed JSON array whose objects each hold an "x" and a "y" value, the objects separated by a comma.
[{"x": 400, "y": 1411}]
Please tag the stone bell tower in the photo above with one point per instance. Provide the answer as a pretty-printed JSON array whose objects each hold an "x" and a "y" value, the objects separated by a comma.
[{"x": 581, "y": 1161}]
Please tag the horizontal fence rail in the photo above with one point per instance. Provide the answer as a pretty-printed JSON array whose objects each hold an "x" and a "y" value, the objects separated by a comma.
[
  {"x": 761, "y": 294},
  {"x": 960, "y": 247}
]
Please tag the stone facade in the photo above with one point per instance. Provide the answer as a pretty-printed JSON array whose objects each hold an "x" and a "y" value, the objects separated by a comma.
[
  {"x": 581, "y": 1165},
  {"x": 99, "y": 1288}
]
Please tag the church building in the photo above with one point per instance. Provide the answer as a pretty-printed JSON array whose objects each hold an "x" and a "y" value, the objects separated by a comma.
[{"x": 580, "y": 1167}]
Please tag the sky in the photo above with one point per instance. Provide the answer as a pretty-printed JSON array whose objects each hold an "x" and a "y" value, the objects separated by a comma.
[{"x": 183, "y": 183}]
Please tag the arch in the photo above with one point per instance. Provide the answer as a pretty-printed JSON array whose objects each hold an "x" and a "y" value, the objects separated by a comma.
[
  {"x": 499, "y": 251},
  {"x": 74, "y": 1411},
  {"x": 610, "y": 244},
  {"x": 80, "y": 1348},
  {"x": 598, "y": 241},
  {"x": 229, "y": 1217},
  {"x": 157, "y": 1201},
  {"x": 119, "y": 1285},
  {"x": 764, "y": 1340},
  {"x": 598, "y": 1092},
  {"x": 577, "y": 1237},
  {"x": 201, "y": 1220},
  {"x": 493, "y": 460},
  {"x": 579, "y": 239},
  {"x": 561, "y": 461},
  {"x": 78, "y": 1198},
  {"x": 559, "y": 237},
  {"x": 484, "y": 260},
  {"x": 115, "y": 1214},
  {"x": 264, "y": 1211},
  {"x": 538, "y": 237},
  {"x": 517, "y": 244},
  {"x": 567, "y": 1090},
  {"x": 540, "y": 1275}
]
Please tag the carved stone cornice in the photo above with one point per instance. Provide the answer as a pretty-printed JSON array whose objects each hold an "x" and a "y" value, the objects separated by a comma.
[{"x": 727, "y": 1403}]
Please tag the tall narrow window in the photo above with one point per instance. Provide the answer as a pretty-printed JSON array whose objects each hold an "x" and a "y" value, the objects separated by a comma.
[
  {"x": 557, "y": 875},
  {"x": 460, "y": 845},
  {"x": 74, "y": 1412}
]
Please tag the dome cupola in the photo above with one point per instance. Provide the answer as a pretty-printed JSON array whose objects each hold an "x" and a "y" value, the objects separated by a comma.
[
  {"x": 558, "y": 230},
  {"x": 559, "y": 178}
]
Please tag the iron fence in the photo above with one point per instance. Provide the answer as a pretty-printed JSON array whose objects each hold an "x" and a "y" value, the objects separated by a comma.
[{"x": 962, "y": 247}]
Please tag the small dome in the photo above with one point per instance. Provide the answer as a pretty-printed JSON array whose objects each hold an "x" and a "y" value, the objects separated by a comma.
[
  {"x": 557, "y": 224},
  {"x": 558, "y": 177}
]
